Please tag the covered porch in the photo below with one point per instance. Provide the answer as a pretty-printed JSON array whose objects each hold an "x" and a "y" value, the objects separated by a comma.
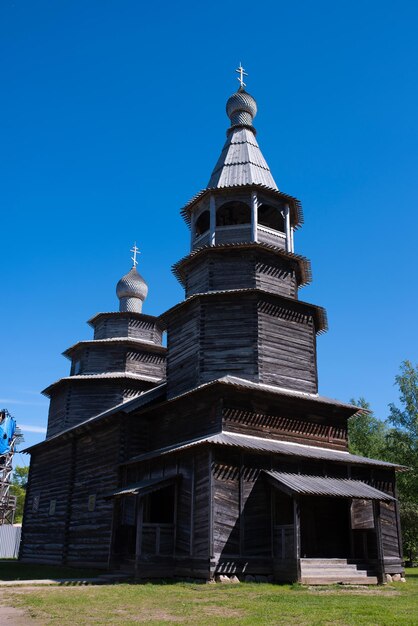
[
  {"x": 144, "y": 529},
  {"x": 328, "y": 530}
]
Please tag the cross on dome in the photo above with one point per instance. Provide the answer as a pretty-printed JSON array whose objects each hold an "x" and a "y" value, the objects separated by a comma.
[
  {"x": 241, "y": 73},
  {"x": 135, "y": 251}
]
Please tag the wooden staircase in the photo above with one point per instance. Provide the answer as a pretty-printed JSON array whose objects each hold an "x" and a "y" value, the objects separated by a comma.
[{"x": 335, "y": 571}]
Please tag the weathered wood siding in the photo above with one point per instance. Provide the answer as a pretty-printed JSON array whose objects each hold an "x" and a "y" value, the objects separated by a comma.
[
  {"x": 276, "y": 275},
  {"x": 233, "y": 234},
  {"x": 192, "y": 529},
  {"x": 183, "y": 350},
  {"x": 228, "y": 338},
  {"x": 44, "y": 528},
  {"x": 145, "y": 363},
  {"x": 96, "y": 468},
  {"x": 267, "y": 236},
  {"x": 287, "y": 426},
  {"x": 242, "y": 522},
  {"x": 286, "y": 347},
  {"x": 134, "y": 326},
  {"x": 224, "y": 269},
  {"x": 78, "y": 400},
  {"x": 106, "y": 357}
]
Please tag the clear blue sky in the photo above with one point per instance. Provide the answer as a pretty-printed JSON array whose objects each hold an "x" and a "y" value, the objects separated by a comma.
[{"x": 113, "y": 117}]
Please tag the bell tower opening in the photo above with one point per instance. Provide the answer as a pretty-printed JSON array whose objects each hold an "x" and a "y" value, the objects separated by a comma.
[
  {"x": 233, "y": 214},
  {"x": 202, "y": 223},
  {"x": 271, "y": 217}
]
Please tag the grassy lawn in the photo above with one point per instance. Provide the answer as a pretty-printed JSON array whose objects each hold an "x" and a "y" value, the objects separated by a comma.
[{"x": 247, "y": 603}]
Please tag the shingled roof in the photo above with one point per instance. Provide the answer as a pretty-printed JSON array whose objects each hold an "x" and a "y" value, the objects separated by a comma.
[{"x": 241, "y": 163}]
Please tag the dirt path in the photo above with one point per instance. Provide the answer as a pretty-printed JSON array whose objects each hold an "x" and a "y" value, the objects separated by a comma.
[{"x": 10, "y": 616}]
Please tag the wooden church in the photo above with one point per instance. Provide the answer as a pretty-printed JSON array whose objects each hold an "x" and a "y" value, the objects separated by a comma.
[{"x": 215, "y": 454}]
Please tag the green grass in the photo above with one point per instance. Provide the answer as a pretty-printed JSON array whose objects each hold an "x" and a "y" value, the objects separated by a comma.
[
  {"x": 11, "y": 569},
  {"x": 247, "y": 603}
]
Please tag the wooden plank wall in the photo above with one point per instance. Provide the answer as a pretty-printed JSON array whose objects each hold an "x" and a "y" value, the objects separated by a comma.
[
  {"x": 78, "y": 400},
  {"x": 241, "y": 269},
  {"x": 276, "y": 275},
  {"x": 192, "y": 532},
  {"x": 228, "y": 339},
  {"x": 43, "y": 537},
  {"x": 95, "y": 474},
  {"x": 183, "y": 350},
  {"x": 111, "y": 326},
  {"x": 145, "y": 363},
  {"x": 125, "y": 326},
  {"x": 242, "y": 528},
  {"x": 287, "y": 426},
  {"x": 287, "y": 348}
]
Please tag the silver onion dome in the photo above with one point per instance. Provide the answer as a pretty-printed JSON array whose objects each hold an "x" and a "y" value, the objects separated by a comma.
[
  {"x": 241, "y": 108},
  {"x": 131, "y": 291}
]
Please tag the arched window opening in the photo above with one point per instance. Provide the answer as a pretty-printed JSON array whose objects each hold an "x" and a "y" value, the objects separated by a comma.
[
  {"x": 232, "y": 213},
  {"x": 202, "y": 223},
  {"x": 271, "y": 217}
]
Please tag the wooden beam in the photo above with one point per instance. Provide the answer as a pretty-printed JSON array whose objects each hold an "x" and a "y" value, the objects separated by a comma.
[
  {"x": 254, "y": 216},
  {"x": 378, "y": 530},
  {"x": 296, "y": 525},
  {"x": 212, "y": 227}
]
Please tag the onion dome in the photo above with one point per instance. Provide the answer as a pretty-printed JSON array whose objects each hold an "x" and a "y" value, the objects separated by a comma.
[
  {"x": 131, "y": 291},
  {"x": 241, "y": 108}
]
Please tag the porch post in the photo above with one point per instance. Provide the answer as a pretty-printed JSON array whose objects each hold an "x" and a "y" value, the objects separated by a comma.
[
  {"x": 212, "y": 227},
  {"x": 138, "y": 543},
  {"x": 296, "y": 526},
  {"x": 378, "y": 529},
  {"x": 192, "y": 230},
  {"x": 254, "y": 216},
  {"x": 287, "y": 228}
]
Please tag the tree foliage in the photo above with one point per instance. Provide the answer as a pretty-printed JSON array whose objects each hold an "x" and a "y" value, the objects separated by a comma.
[
  {"x": 402, "y": 448},
  {"x": 18, "y": 488},
  {"x": 366, "y": 433},
  {"x": 395, "y": 440}
]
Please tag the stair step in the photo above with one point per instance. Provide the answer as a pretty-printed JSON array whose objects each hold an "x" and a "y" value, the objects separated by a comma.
[
  {"x": 309, "y": 561},
  {"x": 347, "y": 580},
  {"x": 334, "y": 572},
  {"x": 330, "y": 566}
]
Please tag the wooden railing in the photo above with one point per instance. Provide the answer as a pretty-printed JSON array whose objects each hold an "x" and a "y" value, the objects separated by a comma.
[{"x": 157, "y": 539}]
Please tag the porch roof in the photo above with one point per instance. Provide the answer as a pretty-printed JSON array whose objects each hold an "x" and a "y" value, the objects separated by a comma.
[
  {"x": 322, "y": 486},
  {"x": 251, "y": 443},
  {"x": 144, "y": 487}
]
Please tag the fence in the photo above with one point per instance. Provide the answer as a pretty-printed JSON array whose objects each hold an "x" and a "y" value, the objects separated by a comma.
[{"x": 9, "y": 541}]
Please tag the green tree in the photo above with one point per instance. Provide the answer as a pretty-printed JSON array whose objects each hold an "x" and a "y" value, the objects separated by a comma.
[
  {"x": 366, "y": 433},
  {"x": 18, "y": 488},
  {"x": 402, "y": 448}
]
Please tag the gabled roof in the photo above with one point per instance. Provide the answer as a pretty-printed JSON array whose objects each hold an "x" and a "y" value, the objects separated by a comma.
[{"x": 241, "y": 163}]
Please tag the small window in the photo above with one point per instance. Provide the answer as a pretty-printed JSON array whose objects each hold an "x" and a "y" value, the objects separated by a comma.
[
  {"x": 159, "y": 506},
  {"x": 202, "y": 223},
  {"x": 77, "y": 367},
  {"x": 35, "y": 503},
  {"x": 233, "y": 213},
  {"x": 91, "y": 503},
  {"x": 52, "y": 507}
]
